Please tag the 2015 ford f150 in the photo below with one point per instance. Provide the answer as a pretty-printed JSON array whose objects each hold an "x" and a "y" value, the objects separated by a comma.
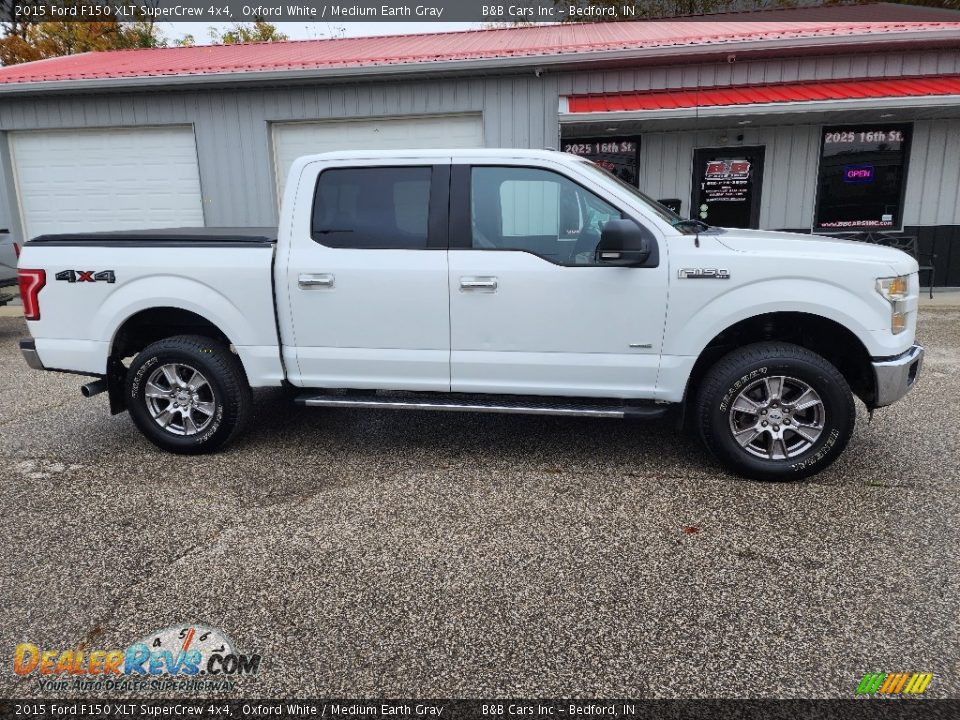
[{"x": 482, "y": 280}]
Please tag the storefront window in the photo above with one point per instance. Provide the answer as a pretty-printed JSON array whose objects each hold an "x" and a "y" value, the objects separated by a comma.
[
  {"x": 617, "y": 155},
  {"x": 862, "y": 177}
]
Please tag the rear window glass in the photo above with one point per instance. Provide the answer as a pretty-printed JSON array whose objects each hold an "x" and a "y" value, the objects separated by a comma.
[{"x": 385, "y": 208}]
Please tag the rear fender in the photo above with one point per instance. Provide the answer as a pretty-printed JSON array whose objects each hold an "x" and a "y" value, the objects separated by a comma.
[{"x": 174, "y": 292}]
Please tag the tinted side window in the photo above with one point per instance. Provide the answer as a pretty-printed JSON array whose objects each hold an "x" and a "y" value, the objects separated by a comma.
[
  {"x": 540, "y": 211},
  {"x": 372, "y": 208}
]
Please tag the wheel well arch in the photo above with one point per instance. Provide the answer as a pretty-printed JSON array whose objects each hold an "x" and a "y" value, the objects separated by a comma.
[
  {"x": 828, "y": 338},
  {"x": 148, "y": 326}
]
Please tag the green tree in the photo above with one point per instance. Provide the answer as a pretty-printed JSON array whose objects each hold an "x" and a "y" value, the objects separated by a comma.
[
  {"x": 256, "y": 31},
  {"x": 26, "y": 42}
]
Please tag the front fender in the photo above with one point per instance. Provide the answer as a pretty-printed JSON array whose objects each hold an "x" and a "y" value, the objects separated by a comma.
[{"x": 694, "y": 319}]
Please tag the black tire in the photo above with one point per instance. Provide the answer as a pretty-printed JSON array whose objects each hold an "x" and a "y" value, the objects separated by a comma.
[
  {"x": 225, "y": 394},
  {"x": 749, "y": 373}
]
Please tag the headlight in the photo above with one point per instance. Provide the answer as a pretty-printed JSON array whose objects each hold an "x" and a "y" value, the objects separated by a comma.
[
  {"x": 895, "y": 291},
  {"x": 895, "y": 288}
]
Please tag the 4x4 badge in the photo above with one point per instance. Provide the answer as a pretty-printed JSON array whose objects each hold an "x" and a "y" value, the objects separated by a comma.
[{"x": 74, "y": 276}]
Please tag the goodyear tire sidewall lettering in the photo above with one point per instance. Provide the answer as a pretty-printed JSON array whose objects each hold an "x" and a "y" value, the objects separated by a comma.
[
  {"x": 821, "y": 453},
  {"x": 141, "y": 373},
  {"x": 735, "y": 388}
]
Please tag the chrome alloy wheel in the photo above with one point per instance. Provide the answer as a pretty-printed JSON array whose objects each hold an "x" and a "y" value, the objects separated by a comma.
[
  {"x": 180, "y": 399},
  {"x": 778, "y": 417}
]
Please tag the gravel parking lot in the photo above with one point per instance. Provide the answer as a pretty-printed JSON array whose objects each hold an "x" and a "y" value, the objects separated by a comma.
[{"x": 369, "y": 553}]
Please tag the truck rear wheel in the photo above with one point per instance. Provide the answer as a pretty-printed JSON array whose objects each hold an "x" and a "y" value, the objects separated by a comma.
[
  {"x": 775, "y": 411},
  {"x": 188, "y": 394}
]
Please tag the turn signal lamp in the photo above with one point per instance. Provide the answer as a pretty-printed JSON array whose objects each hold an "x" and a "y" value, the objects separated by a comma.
[{"x": 895, "y": 291}]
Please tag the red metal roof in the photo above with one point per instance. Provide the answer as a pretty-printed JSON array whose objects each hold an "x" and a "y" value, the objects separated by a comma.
[
  {"x": 530, "y": 41},
  {"x": 772, "y": 93}
]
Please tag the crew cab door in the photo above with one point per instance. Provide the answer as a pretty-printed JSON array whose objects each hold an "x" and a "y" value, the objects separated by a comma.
[
  {"x": 531, "y": 309},
  {"x": 366, "y": 276}
]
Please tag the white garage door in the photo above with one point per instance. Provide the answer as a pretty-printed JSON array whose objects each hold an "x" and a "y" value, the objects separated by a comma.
[
  {"x": 107, "y": 179},
  {"x": 291, "y": 140}
]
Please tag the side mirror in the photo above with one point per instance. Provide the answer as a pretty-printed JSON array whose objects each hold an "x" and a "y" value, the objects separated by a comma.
[{"x": 624, "y": 243}]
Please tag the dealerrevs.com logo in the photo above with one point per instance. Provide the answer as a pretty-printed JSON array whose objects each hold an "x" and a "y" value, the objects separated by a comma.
[
  {"x": 181, "y": 657},
  {"x": 890, "y": 684}
]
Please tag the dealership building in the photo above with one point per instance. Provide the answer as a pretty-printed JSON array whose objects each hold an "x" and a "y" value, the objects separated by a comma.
[{"x": 836, "y": 125}]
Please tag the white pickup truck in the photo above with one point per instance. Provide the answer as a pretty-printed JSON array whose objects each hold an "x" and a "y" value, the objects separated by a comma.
[{"x": 511, "y": 281}]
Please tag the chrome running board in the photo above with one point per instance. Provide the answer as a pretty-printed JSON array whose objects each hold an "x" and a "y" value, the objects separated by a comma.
[{"x": 570, "y": 407}]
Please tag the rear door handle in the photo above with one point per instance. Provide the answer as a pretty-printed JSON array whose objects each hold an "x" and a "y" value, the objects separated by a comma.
[
  {"x": 478, "y": 284},
  {"x": 309, "y": 280}
]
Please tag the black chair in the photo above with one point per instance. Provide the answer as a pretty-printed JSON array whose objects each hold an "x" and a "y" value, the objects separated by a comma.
[
  {"x": 671, "y": 204},
  {"x": 908, "y": 243}
]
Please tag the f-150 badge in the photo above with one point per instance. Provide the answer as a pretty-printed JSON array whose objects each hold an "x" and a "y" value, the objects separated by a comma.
[
  {"x": 704, "y": 274},
  {"x": 74, "y": 276}
]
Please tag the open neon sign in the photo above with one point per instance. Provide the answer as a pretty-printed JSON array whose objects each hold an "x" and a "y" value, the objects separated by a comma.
[{"x": 858, "y": 173}]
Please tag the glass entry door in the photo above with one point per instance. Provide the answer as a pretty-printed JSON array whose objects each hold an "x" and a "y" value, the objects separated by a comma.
[{"x": 726, "y": 186}]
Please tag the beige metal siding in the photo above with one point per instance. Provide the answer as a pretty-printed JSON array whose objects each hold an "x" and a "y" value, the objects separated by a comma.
[
  {"x": 790, "y": 172},
  {"x": 789, "y": 176},
  {"x": 933, "y": 178},
  {"x": 233, "y": 126},
  {"x": 521, "y": 110},
  {"x": 792, "y": 151}
]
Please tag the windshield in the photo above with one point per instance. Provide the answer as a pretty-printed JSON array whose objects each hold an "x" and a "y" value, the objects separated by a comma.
[{"x": 687, "y": 227}]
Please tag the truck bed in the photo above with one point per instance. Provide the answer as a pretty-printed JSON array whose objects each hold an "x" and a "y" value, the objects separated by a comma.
[{"x": 96, "y": 282}]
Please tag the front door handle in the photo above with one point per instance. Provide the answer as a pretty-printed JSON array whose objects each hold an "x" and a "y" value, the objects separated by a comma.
[
  {"x": 478, "y": 284},
  {"x": 308, "y": 280}
]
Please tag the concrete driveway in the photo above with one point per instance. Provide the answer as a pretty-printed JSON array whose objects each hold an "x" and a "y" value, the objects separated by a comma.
[{"x": 381, "y": 554}]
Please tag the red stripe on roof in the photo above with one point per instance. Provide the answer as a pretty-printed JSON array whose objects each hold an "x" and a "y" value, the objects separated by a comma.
[
  {"x": 775, "y": 93},
  {"x": 532, "y": 41}
]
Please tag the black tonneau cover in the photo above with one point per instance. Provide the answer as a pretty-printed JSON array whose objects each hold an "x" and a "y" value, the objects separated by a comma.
[{"x": 166, "y": 237}]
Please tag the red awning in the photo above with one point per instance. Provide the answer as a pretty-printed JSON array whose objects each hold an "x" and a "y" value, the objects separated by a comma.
[{"x": 808, "y": 91}]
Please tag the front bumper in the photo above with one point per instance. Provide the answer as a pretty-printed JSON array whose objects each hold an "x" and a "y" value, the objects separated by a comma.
[
  {"x": 896, "y": 376},
  {"x": 28, "y": 347}
]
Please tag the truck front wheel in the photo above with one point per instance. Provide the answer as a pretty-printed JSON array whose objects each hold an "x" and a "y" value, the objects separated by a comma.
[
  {"x": 775, "y": 411},
  {"x": 188, "y": 394}
]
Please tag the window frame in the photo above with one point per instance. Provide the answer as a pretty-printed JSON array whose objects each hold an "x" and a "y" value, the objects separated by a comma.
[
  {"x": 461, "y": 226},
  {"x": 907, "y": 147},
  {"x": 437, "y": 202}
]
